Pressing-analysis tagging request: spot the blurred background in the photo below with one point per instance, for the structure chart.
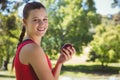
(92, 26)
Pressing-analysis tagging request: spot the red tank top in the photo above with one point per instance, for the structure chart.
(25, 72)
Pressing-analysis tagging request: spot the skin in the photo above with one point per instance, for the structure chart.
(36, 26)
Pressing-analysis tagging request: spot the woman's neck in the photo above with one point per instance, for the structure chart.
(37, 40)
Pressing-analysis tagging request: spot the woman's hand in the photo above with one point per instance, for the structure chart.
(66, 54)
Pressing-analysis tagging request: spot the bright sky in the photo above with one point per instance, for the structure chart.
(103, 7)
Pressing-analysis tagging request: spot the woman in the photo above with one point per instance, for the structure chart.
(31, 62)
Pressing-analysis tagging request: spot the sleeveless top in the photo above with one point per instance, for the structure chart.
(22, 71)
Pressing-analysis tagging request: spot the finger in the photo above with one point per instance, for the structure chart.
(67, 53)
(74, 50)
(64, 54)
(70, 51)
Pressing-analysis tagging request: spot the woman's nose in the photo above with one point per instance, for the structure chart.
(41, 23)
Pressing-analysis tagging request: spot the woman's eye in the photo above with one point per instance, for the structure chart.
(45, 20)
(36, 20)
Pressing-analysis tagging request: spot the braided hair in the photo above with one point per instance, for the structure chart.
(21, 35)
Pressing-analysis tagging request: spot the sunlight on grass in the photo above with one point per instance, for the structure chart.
(77, 70)
(7, 75)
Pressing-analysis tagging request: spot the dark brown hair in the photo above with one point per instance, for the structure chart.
(28, 7)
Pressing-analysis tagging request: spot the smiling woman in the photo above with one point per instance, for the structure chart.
(37, 22)
(31, 62)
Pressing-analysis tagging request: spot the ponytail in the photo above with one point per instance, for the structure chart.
(21, 35)
(20, 40)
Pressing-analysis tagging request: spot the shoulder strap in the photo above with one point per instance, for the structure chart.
(27, 41)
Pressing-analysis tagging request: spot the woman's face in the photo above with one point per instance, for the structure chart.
(37, 22)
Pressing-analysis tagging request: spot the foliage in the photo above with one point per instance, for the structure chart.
(66, 20)
(69, 22)
(9, 31)
(116, 3)
(106, 43)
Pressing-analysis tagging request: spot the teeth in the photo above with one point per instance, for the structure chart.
(41, 29)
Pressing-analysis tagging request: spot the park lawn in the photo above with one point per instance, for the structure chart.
(81, 71)
(91, 71)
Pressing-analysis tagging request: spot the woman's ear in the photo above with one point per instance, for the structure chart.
(24, 22)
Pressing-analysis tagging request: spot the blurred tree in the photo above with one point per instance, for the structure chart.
(8, 6)
(69, 22)
(116, 19)
(3, 4)
(105, 45)
(9, 27)
(116, 3)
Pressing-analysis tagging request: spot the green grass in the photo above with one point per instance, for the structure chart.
(89, 70)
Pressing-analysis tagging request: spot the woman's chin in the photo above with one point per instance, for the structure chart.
(41, 34)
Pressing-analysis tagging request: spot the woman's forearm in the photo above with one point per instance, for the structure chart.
(56, 70)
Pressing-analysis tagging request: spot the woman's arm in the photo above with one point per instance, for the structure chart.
(65, 55)
(56, 70)
(35, 56)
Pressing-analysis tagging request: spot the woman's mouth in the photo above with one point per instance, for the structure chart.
(41, 29)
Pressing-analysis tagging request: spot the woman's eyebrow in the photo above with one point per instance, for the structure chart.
(38, 17)
(35, 17)
(46, 16)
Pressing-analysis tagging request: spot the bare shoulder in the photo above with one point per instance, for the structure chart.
(34, 55)
(29, 52)
(30, 48)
